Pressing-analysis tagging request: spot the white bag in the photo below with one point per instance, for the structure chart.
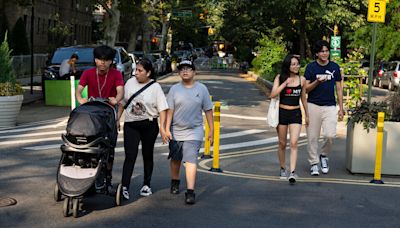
(273, 113)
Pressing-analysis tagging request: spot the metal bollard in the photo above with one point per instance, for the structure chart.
(207, 143)
(379, 144)
(217, 124)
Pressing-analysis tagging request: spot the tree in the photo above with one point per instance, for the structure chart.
(111, 20)
(388, 31)
(19, 41)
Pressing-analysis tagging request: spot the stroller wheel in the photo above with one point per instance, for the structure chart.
(66, 206)
(57, 193)
(75, 207)
(118, 195)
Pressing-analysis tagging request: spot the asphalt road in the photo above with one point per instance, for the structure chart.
(247, 194)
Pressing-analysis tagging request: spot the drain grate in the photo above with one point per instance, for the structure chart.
(7, 201)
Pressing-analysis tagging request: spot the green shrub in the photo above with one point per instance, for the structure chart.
(270, 53)
(8, 85)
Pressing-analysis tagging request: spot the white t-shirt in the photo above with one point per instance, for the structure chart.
(147, 105)
(65, 67)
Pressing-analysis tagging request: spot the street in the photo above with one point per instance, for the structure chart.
(248, 193)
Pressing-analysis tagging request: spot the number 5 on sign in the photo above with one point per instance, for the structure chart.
(376, 11)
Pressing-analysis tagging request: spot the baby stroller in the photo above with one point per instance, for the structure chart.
(87, 151)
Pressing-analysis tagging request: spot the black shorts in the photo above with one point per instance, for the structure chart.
(287, 117)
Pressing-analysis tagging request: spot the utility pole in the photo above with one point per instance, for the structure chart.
(32, 33)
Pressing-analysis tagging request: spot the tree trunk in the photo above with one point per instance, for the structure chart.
(147, 30)
(164, 31)
(111, 23)
(169, 41)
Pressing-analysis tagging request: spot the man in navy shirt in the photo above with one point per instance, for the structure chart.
(322, 77)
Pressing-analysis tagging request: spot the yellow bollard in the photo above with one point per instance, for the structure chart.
(217, 124)
(379, 144)
(207, 143)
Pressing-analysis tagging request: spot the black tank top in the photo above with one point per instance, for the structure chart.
(291, 95)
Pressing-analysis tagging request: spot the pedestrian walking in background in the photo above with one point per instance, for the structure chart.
(103, 82)
(290, 87)
(141, 123)
(67, 67)
(322, 76)
(187, 100)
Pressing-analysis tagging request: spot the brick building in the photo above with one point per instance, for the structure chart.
(76, 14)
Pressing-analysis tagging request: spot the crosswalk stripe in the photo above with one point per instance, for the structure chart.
(54, 146)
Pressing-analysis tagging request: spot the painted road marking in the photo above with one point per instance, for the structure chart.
(204, 168)
(223, 136)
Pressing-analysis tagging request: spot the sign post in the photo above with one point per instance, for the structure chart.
(376, 14)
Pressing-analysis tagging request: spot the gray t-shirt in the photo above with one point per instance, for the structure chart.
(188, 105)
(64, 67)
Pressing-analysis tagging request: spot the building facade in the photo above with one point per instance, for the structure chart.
(75, 16)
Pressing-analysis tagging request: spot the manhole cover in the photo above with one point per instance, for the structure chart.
(7, 201)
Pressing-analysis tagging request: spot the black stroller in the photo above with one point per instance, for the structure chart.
(87, 150)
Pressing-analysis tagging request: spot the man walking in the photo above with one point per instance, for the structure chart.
(322, 76)
(184, 126)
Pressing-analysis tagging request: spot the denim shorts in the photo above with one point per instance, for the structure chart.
(186, 151)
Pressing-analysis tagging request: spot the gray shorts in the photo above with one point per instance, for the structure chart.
(186, 151)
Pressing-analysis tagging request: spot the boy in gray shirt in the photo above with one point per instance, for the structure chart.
(184, 126)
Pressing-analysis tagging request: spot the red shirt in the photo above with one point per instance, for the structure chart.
(98, 87)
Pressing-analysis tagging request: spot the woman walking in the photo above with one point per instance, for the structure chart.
(141, 123)
(289, 86)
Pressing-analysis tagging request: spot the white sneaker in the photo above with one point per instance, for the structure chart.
(282, 174)
(292, 178)
(125, 193)
(314, 170)
(324, 164)
(145, 191)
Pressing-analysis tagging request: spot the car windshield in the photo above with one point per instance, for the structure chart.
(85, 55)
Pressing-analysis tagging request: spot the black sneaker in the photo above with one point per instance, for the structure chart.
(190, 197)
(175, 186)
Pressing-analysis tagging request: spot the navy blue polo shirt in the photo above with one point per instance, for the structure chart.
(324, 93)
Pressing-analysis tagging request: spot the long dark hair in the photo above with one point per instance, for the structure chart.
(285, 69)
(148, 66)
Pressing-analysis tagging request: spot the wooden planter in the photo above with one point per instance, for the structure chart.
(9, 110)
(361, 149)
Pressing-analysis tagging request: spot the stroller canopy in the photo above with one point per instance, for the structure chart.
(94, 118)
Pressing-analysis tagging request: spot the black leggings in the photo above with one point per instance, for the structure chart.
(145, 131)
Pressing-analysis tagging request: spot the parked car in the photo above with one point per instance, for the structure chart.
(133, 58)
(122, 62)
(379, 69)
(161, 62)
(182, 54)
(392, 75)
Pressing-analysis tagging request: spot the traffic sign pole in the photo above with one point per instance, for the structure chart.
(371, 61)
(376, 13)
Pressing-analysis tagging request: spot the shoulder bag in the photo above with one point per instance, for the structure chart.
(137, 93)
(273, 112)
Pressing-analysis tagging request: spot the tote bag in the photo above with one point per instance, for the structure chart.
(273, 113)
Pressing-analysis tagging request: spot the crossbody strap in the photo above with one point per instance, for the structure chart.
(137, 93)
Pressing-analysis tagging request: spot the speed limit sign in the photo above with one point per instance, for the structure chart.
(376, 11)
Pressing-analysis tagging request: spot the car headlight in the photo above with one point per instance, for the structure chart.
(49, 74)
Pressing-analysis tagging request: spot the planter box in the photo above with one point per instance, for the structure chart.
(9, 110)
(361, 149)
(58, 92)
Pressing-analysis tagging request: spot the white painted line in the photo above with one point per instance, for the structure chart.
(32, 134)
(241, 133)
(28, 129)
(244, 117)
(222, 147)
